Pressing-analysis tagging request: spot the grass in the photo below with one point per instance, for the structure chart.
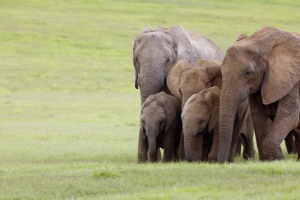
(69, 112)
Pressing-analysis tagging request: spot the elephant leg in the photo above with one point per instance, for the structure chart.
(153, 157)
(181, 152)
(197, 143)
(286, 119)
(213, 154)
(142, 147)
(249, 151)
(176, 150)
(261, 121)
(297, 143)
(235, 137)
(289, 142)
(205, 151)
(169, 143)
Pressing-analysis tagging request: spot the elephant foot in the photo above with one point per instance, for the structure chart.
(267, 156)
(249, 156)
(212, 157)
(142, 159)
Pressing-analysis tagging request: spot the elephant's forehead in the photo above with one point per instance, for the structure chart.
(153, 109)
(154, 37)
(194, 108)
(193, 73)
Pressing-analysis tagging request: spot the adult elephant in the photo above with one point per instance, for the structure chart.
(156, 51)
(266, 68)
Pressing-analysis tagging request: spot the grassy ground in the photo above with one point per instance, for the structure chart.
(69, 113)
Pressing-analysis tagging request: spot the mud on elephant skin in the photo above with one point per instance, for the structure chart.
(161, 127)
(200, 116)
(264, 67)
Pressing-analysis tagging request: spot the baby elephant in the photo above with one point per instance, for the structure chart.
(200, 117)
(161, 124)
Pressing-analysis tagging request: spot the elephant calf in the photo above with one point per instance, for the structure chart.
(200, 117)
(161, 127)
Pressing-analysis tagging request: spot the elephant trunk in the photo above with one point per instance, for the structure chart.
(228, 109)
(152, 145)
(188, 148)
(151, 81)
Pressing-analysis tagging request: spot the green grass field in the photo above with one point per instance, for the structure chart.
(69, 112)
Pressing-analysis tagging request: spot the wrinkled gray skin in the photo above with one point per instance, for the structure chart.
(264, 67)
(156, 51)
(161, 124)
(200, 116)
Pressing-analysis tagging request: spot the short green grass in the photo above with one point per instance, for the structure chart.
(69, 112)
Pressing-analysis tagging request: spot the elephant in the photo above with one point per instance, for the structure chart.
(161, 124)
(200, 117)
(156, 51)
(265, 68)
(184, 81)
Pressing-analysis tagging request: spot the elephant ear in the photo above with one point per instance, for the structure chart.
(283, 69)
(136, 80)
(241, 37)
(185, 47)
(147, 29)
(173, 79)
(212, 97)
(212, 69)
(147, 102)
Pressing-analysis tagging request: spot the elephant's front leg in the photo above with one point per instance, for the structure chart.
(142, 146)
(261, 121)
(169, 142)
(181, 153)
(297, 142)
(289, 142)
(213, 154)
(286, 119)
(235, 137)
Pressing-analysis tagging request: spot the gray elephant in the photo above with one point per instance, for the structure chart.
(200, 117)
(264, 68)
(156, 51)
(161, 124)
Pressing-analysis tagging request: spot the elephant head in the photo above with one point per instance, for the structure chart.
(268, 61)
(184, 80)
(200, 113)
(155, 52)
(158, 113)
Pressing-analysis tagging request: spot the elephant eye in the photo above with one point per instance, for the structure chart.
(180, 91)
(167, 61)
(201, 121)
(248, 74)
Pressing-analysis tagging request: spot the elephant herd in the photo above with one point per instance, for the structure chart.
(199, 104)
